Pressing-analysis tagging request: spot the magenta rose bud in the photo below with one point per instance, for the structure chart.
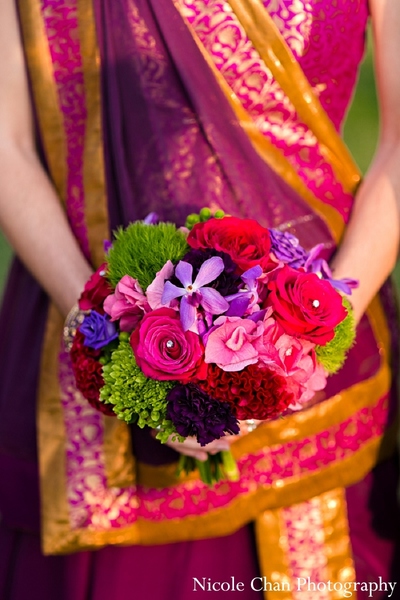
(164, 351)
(305, 305)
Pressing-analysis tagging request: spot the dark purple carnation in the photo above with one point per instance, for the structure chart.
(228, 282)
(97, 330)
(286, 247)
(195, 413)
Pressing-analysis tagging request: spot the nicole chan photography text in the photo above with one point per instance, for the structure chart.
(261, 584)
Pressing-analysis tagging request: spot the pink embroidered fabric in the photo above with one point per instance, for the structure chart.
(60, 19)
(327, 39)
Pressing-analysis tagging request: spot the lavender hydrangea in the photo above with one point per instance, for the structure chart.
(287, 248)
(98, 330)
(194, 413)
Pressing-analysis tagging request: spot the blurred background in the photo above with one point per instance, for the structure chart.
(360, 132)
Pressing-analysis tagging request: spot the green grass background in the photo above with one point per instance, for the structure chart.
(360, 133)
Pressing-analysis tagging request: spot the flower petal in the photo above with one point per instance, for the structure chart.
(184, 272)
(170, 292)
(188, 314)
(252, 274)
(238, 306)
(212, 301)
(151, 219)
(155, 290)
(209, 270)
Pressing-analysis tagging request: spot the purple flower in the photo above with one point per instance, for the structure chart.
(98, 330)
(196, 293)
(286, 247)
(195, 413)
(321, 268)
(247, 296)
(151, 219)
(106, 246)
(228, 281)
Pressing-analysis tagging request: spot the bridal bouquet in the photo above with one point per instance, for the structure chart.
(190, 330)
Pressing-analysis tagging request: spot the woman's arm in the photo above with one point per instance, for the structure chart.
(370, 246)
(31, 215)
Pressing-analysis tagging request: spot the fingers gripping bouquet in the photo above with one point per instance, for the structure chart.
(190, 330)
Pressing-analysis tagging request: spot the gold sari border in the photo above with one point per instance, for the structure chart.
(278, 57)
(221, 521)
(118, 458)
(340, 564)
(44, 89)
(96, 213)
(272, 552)
(51, 448)
(276, 554)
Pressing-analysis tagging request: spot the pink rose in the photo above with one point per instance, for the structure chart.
(127, 304)
(232, 345)
(305, 306)
(164, 351)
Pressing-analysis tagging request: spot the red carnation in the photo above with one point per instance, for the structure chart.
(96, 290)
(88, 373)
(246, 241)
(253, 393)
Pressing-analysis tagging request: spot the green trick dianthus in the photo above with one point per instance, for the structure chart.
(141, 250)
(135, 397)
(333, 355)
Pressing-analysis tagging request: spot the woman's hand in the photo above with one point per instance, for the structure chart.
(191, 447)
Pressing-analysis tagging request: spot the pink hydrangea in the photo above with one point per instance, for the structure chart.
(233, 344)
(293, 358)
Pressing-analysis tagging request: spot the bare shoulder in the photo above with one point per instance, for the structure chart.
(15, 113)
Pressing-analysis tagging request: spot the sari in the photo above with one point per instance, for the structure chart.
(151, 105)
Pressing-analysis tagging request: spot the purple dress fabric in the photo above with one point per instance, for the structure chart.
(140, 179)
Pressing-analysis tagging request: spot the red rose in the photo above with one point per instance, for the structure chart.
(245, 240)
(305, 305)
(96, 290)
(164, 351)
(88, 373)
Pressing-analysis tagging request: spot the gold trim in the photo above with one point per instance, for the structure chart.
(272, 48)
(96, 211)
(44, 88)
(51, 446)
(272, 552)
(340, 564)
(221, 521)
(271, 155)
(119, 462)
